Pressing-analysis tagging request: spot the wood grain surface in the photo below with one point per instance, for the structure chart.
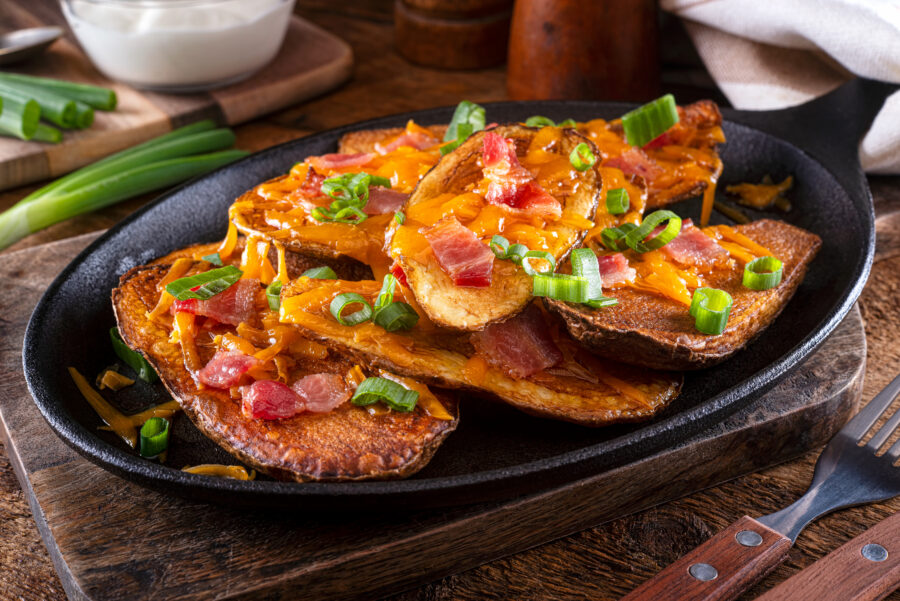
(602, 562)
(311, 61)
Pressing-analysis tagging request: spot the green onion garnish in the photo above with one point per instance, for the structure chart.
(582, 158)
(467, 119)
(132, 359)
(763, 273)
(585, 265)
(541, 121)
(392, 394)
(207, 284)
(396, 316)
(500, 246)
(320, 273)
(541, 255)
(516, 253)
(559, 286)
(710, 308)
(350, 192)
(342, 301)
(399, 217)
(635, 239)
(617, 201)
(386, 295)
(613, 238)
(644, 124)
(154, 437)
(214, 258)
(273, 295)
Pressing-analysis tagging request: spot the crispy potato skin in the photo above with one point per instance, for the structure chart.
(651, 331)
(472, 309)
(346, 444)
(440, 357)
(364, 140)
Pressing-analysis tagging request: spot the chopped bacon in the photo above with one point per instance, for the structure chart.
(398, 273)
(466, 259)
(520, 346)
(635, 162)
(269, 399)
(225, 369)
(614, 269)
(340, 161)
(510, 183)
(320, 393)
(232, 306)
(663, 139)
(417, 140)
(312, 185)
(384, 200)
(692, 247)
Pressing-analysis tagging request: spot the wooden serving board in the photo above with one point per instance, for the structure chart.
(311, 61)
(111, 539)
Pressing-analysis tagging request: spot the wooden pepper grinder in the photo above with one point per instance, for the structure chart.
(584, 50)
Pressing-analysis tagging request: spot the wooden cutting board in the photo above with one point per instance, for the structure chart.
(311, 61)
(111, 539)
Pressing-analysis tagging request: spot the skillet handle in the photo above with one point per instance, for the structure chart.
(829, 127)
(721, 568)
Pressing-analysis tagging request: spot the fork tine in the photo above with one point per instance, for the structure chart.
(894, 451)
(866, 418)
(884, 433)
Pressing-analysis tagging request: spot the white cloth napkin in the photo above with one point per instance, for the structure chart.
(768, 54)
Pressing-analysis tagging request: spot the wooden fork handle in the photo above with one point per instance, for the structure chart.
(721, 568)
(865, 569)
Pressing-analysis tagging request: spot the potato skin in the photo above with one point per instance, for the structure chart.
(472, 309)
(648, 330)
(347, 444)
(364, 140)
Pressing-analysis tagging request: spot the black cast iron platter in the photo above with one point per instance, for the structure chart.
(497, 452)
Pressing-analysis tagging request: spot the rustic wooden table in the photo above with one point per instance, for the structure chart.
(600, 563)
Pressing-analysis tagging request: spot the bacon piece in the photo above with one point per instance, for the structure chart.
(417, 140)
(512, 185)
(692, 247)
(231, 306)
(466, 259)
(340, 161)
(269, 399)
(225, 369)
(635, 162)
(397, 272)
(312, 184)
(614, 269)
(320, 393)
(520, 346)
(384, 200)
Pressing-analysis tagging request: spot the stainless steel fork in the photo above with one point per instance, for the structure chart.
(847, 473)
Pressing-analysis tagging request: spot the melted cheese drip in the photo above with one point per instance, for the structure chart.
(235, 472)
(177, 270)
(427, 401)
(113, 380)
(760, 196)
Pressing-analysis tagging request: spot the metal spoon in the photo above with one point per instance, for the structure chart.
(18, 45)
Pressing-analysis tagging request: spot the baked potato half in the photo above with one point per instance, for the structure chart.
(347, 443)
(653, 331)
(458, 188)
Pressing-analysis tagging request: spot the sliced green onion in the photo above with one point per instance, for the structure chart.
(603, 301)
(54, 108)
(132, 359)
(399, 217)
(19, 119)
(763, 273)
(392, 394)
(350, 192)
(636, 238)
(540, 121)
(559, 286)
(396, 316)
(650, 121)
(386, 295)
(585, 265)
(617, 201)
(154, 437)
(582, 158)
(273, 294)
(342, 301)
(320, 273)
(95, 96)
(710, 308)
(541, 255)
(500, 246)
(567, 123)
(466, 113)
(516, 253)
(206, 285)
(214, 258)
(613, 238)
(47, 134)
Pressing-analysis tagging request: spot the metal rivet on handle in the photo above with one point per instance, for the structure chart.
(874, 552)
(749, 538)
(703, 572)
